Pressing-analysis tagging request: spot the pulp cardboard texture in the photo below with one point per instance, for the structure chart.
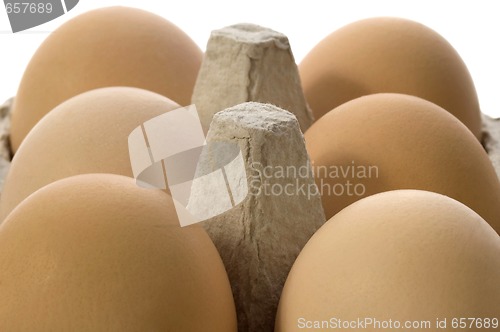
(5, 154)
(260, 238)
(491, 140)
(246, 62)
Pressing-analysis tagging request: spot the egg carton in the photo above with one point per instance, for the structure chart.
(490, 141)
(5, 150)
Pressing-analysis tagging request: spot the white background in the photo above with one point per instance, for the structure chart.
(472, 27)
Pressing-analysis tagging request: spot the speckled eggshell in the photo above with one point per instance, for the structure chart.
(384, 142)
(387, 54)
(95, 252)
(114, 46)
(85, 134)
(403, 256)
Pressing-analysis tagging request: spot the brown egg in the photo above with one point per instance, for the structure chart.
(389, 55)
(115, 46)
(405, 256)
(95, 252)
(384, 142)
(85, 134)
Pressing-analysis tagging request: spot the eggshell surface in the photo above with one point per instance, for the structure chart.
(95, 252)
(387, 54)
(86, 134)
(405, 256)
(385, 142)
(114, 46)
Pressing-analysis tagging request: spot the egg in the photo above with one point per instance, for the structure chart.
(86, 134)
(387, 54)
(387, 141)
(401, 256)
(95, 252)
(115, 46)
